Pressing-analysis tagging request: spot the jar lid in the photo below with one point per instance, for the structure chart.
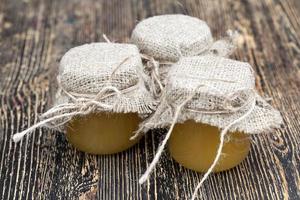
(86, 70)
(169, 37)
(217, 91)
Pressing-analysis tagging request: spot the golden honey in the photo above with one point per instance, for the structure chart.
(194, 146)
(103, 133)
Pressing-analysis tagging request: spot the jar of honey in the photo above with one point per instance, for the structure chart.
(194, 146)
(105, 81)
(103, 133)
(100, 99)
(210, 109)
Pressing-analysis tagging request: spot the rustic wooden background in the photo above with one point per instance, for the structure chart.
(34, 35)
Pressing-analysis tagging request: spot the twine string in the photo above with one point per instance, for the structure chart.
(18, 136)
(83, 107)
(161, 147)
(219, 151)
(106, 38)
(155, 76)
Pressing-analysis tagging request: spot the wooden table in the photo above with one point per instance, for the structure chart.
(35, 34)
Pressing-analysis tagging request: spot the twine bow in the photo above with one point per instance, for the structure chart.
(78, 106)
(152, 65)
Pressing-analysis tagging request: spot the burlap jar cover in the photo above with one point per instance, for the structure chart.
(224, 89)
(215, 91)
(97, 77)
(166, 38)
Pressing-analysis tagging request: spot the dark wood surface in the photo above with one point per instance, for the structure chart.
(34, 35)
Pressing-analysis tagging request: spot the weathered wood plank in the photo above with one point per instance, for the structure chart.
(34, 35)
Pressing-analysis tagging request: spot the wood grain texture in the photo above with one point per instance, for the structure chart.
(34, 35)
